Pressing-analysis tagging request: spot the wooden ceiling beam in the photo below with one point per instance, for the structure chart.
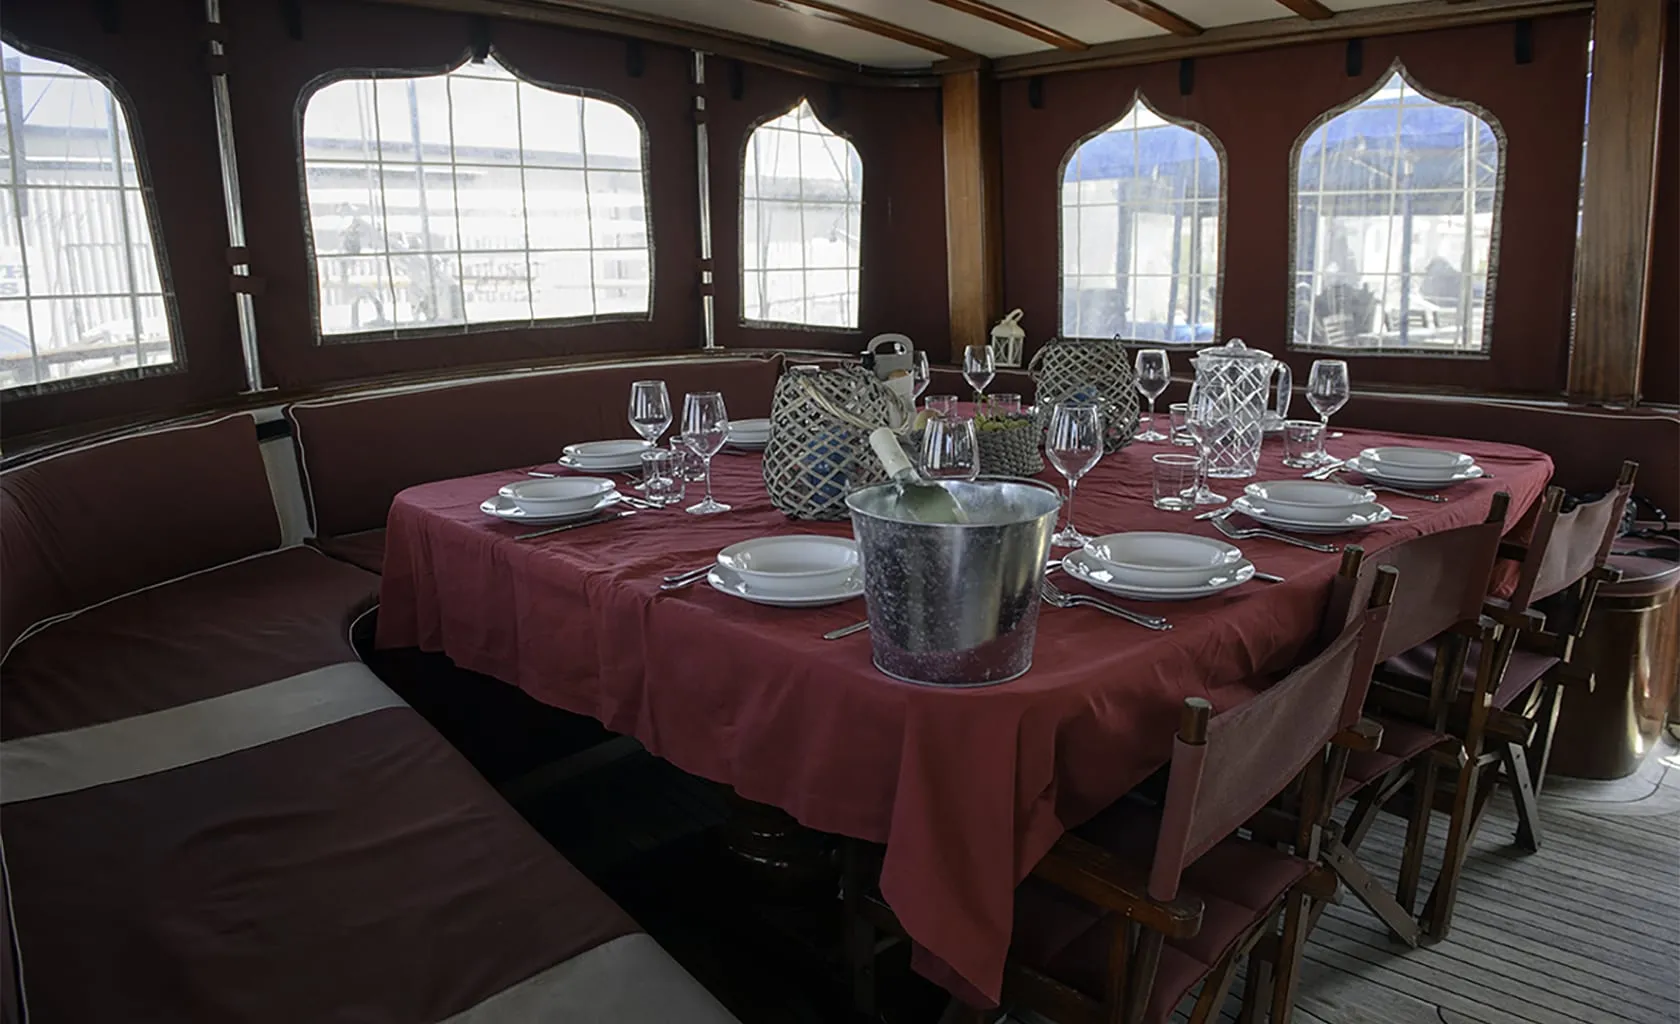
(1154, 13)
(1015, 23)
(1311, 10)
(874, 26)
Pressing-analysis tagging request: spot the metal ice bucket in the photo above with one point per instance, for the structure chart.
(956, 604)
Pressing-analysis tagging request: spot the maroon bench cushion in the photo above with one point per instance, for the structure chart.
(356, 453)
(87, 525)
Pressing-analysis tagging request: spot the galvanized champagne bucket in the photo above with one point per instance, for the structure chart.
(950, 604)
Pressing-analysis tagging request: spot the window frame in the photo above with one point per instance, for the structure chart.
(1495, 232)
(435, 331)
(741, 225)
(1203, 132)
(177, 364)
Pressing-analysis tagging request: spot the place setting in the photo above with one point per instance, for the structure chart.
(789, 571)
(1406, 470)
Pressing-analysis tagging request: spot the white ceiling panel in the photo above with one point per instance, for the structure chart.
(1092, 21)
(1214, 13)
(777, 25)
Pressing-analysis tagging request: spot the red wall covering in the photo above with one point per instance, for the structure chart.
(898, 138)
(1258, 104)
(1660, 380)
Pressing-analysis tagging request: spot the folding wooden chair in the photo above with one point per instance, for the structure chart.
(1447, 578)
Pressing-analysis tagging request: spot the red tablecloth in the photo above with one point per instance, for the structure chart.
(966, 787)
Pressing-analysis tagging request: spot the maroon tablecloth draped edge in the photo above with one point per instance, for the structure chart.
(966, 787)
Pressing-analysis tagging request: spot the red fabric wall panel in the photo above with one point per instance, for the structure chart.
(155, 59)
(1258, 104)
(1660, 379)
(272, 72)
(897, 135)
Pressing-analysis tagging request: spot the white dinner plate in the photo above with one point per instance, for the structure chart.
(727, 582)
(750, 429)
(792, 565)
(1161, 560)
(504, 508)
(608, 455)
(1357, 519)
(1083, 567)
(1363, 468)
(1414, 462)
(1309, 501)
(745, 446)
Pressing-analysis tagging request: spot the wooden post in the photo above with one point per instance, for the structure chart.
(1613, 256)
(973, 207)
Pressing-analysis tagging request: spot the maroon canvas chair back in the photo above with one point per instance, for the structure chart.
(1571, 544)
(1248, 755)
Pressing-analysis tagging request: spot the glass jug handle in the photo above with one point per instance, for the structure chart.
(1286, 387)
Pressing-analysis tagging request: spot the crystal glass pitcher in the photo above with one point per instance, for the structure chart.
(1240, 378)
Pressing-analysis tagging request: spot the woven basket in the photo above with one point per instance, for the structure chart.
(819, 438)
(1089, 371)
(1012, 451)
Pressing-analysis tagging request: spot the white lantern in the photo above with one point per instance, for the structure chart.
(1009, 342)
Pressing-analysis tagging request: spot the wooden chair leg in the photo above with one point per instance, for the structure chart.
(1257, 987)
(1442, 899)
(1295, 919)
(1417, 835)
(1215, 987)
(1522, 791)
(1371, 893)
(1540, 751)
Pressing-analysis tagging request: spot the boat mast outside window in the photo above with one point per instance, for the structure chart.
(801, 224)
(1396, 224)
(83, 291)
(451, 202)
(1142, 231)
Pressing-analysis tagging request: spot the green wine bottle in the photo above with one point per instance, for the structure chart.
(918, 500)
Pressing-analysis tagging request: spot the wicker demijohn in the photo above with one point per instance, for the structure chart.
(1089, 371)
(819, 438)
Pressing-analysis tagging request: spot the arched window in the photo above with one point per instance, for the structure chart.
(1142, 231)
(801, 221)
(81, 291)
(449, 202)
(1396, 215)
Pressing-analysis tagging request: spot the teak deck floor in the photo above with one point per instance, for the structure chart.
(1586, 930)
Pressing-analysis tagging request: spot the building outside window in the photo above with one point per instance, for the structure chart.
(801, 220)
(448, 202)
(1396, 220)
(1141, 231)
(82, 291)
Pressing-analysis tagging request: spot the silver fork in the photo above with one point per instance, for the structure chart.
(1373, 485)
(1059, 599)
(1244, 534)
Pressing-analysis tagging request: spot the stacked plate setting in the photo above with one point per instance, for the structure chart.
(606, 456)
(1311, 506)
(799, 571)
(749, 435)
(1149, 566)
(552, 500)
(1405, 466)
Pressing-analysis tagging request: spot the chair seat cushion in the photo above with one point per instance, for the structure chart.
(1238, 882)
(365, 550)
(1401, 741)
(1524, 670)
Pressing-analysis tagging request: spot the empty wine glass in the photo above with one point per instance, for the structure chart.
(1073, 444)
(705, 427)
(650, 410)
(978, 368)
(920, 373)
(1209, 421)
(1327, 391)
(950, 449)
(1153, 376)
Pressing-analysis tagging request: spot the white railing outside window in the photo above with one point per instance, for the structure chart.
(801, 221)
(81, 291)
(1141, 231)
(1396, 217)
(448, 202)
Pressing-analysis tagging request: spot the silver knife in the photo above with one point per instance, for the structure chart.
(575, 526)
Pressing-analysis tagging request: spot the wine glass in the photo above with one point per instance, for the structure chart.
(920, 372)
(1327, 391)
(950, 449)
(1209, 421)
(1073, 444)
(705, 427)
(650, 410)
(1153, 376)
(978, 368)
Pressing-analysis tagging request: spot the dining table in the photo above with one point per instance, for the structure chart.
(966, 788)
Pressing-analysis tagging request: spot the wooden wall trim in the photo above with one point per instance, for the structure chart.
(1265, 35)
(973, 207)
(1613, 256)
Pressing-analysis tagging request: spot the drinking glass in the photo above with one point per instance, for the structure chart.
(978, 368)
(940, 405)
(1153, 376)
(663, 475)
(950, 449)
(1073, 444)
(920, 373)
(1209, 421)
(1176, 477)
(1327, 391)
(1004, 405)
(693, 469)
(1177, 414)
(705, 428)
(1303, 441)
